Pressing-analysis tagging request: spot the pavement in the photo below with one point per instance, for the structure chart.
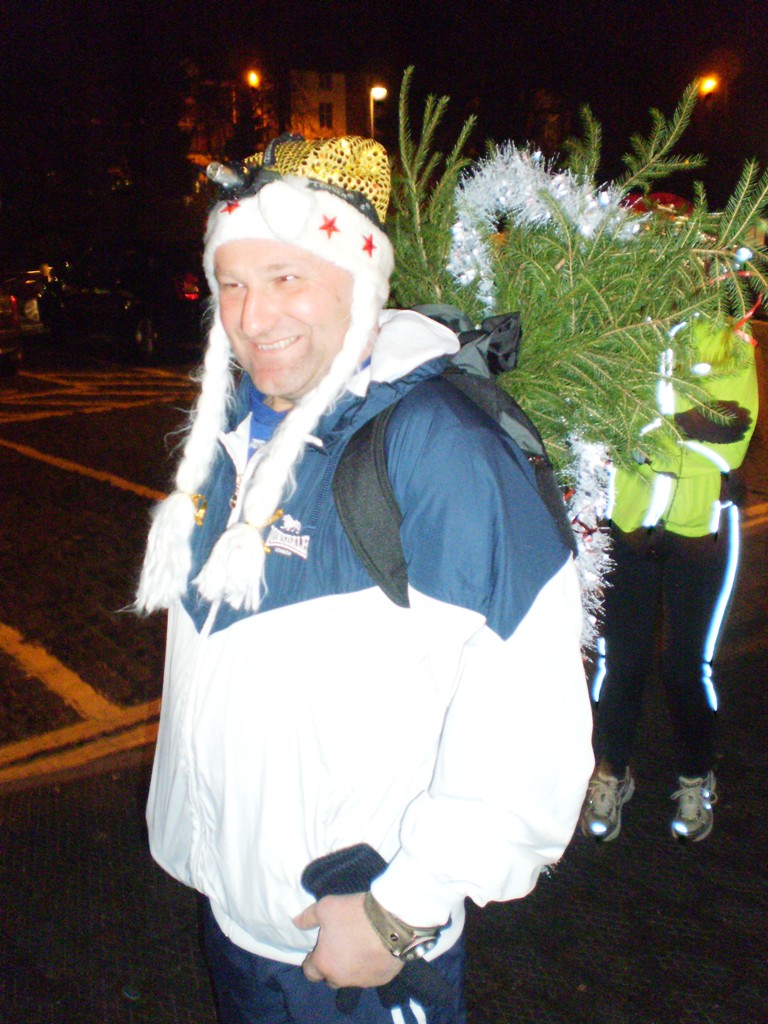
(638, 931)
(642, 930)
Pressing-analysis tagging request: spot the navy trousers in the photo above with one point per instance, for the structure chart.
(251, 989)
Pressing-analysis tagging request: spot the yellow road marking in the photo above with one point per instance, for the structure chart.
(69, 410)
(75, 467)
(81, 379)
(142, 735)
(82, 732)
(57, 677)
(756, 510)
(93, 393)
(107, 728)
(755, 515)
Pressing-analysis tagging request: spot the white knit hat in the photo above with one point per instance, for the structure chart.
(327, 197)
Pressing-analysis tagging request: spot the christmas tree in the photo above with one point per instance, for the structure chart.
(607, 282)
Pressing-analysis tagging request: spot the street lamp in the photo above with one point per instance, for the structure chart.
(707, 85)
(253, 78)
(378, 93)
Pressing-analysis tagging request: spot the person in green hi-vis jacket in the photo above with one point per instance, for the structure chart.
(674, 525)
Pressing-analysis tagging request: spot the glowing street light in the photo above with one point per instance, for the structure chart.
(254, 79)
(707, 85)
(377, 94)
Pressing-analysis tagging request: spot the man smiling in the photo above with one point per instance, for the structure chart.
(285, 312)
(336, 773)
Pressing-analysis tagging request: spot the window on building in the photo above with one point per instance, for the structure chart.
(324, 80)
(326, 115)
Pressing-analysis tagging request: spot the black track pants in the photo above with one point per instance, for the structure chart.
(677, 589)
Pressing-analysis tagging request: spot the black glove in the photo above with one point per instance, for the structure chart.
(352, 870)
(697, 426)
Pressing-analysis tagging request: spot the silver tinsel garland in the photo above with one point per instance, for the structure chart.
(587, 506)
(522, 187)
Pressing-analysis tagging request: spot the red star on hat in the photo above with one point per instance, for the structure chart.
(369, 246)
(230, 207)
(329, 225)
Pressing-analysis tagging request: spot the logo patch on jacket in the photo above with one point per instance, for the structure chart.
(287, 539)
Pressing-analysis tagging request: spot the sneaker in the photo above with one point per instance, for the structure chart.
(601, 813)
(695, 798)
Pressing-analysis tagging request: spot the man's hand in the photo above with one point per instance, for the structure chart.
(348, 952)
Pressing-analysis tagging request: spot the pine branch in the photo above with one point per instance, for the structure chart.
(653, 158)
(746, 206)
(423, 200)
(414, 158)
(445, 188)
(584, 154)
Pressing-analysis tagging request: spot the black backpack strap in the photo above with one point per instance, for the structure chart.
(368, 508)
(500, 406)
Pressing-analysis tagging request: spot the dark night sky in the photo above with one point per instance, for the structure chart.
(63, 63)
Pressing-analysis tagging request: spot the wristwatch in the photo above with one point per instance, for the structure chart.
(403, 941)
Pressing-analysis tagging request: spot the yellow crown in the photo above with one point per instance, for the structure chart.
(350, 163)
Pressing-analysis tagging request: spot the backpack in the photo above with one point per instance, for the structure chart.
(364, 498)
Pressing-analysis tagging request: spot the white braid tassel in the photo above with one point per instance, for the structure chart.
(167, 560)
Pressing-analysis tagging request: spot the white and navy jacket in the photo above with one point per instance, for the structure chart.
(452, 736)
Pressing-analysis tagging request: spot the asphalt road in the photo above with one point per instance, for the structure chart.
(637, 932)
(84, 452)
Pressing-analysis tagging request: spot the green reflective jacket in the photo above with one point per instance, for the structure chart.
(682, 488)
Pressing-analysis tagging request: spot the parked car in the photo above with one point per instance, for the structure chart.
(10, 333)
(147, 300)
(27, 287)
